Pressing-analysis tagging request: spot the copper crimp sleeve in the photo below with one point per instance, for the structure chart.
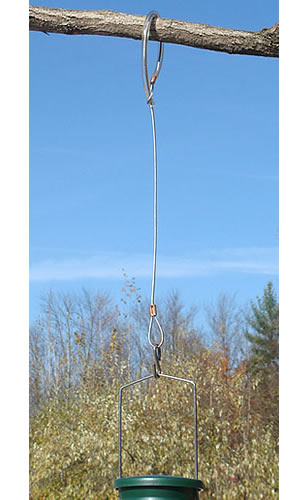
(153, 310)
(153, 79)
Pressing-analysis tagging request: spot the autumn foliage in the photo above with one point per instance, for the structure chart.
(74, 428)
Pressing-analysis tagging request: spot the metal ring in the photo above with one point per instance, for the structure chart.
(149, 83)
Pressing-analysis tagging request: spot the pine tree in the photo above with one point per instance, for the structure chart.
(264, 335)
(263, 363)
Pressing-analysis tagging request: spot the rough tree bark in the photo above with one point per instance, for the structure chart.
(105, 22)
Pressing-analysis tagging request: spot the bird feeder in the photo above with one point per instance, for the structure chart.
(158, 488)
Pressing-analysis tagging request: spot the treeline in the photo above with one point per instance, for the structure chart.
(82, 348)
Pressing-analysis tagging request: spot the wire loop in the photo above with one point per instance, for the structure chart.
(161, 340)
(149, 84)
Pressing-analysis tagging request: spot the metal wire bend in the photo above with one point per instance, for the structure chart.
(195, 415)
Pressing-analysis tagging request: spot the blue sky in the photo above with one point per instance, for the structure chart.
(91, 172)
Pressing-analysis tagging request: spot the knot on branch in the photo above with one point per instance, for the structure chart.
(271, 32)
(271, 35)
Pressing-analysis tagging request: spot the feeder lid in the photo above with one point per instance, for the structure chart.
(158, 481)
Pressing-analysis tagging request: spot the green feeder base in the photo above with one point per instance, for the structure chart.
(158, 488)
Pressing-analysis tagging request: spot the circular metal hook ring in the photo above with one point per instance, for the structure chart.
(149, 83)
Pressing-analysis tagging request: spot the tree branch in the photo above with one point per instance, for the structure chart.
(105, 22)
